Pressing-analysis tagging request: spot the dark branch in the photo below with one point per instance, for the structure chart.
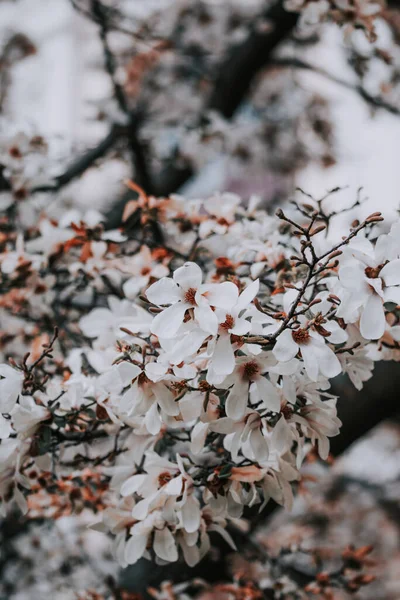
(375, 101)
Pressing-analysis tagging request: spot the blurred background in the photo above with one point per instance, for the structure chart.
(194, 96)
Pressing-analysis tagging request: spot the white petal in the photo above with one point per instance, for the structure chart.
(191, 514)
(329, 364)
(285, 347)
(167, 323)
(164, 545)
(198, 438)
(131, 485)
(127, 372)
(206, 318)
(352, 276)
(392, 294)
(166, 399)
(152, 420)
(135, 548)
(391, 273)
(221, 295)
(372, 323)
(309, 352)
(241, 327)
(236, 403)
(164, 291)
(268, 394)
(223, 360)
(188, 276)
(248, 295)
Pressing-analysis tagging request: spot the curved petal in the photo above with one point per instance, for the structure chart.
(268, 394)
(352, 276)
(166, 399)
(391, 273)
(310, 352)
(236, 403)
(167, 322)
(164, 545)
(135, 548)
(285, 348)
(372, 323)
(206, 318)
(223, 360)
(248, 295)
(329, 364)
(188, 276)
(221, 295)
(241, 327)
(164, 291)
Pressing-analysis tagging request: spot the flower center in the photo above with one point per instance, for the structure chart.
(228, 323)
(164, 478)
(190, 296)
(301, 336)
(250, 370)
(373, 272)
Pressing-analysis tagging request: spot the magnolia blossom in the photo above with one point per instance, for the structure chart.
(369, 280)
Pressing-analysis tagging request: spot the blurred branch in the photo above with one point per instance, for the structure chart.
(375, 101)
(235, 76)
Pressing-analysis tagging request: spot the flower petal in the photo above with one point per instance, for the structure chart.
(223, 360)
(372, 323)
(164, 545)
(391, 273)
(188, 276)
(167, 322)
(164, 291)
(285, 348)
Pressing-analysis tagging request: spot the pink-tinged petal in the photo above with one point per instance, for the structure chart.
(236, 403)
(135, 548)
(166, 323)
(198, 438)
(352, 276)
(248, 295)
(392, 294)
(164, 545)
(221, 295)
(329, 364)
(391, 273)
(268, 394)
(164, 291)
(240, 327)
(188, 276)
(206, 318)
(372, 323)
(285, 348)
(223, 360)
(131, 485)
(166, 399)
(310, 352)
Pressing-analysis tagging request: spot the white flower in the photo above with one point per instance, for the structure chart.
(27, 414)
(10, 387)
(318, 357)
(185, 292)
(368, 280)
(231, 323)
(143, 267)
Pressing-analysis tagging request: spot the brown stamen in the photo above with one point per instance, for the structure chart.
(228, 323)
(301, 336)
(164, 478)
(190, 296)
(373, 272)
(250, 370)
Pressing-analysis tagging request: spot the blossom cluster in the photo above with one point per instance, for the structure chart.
(175, 372)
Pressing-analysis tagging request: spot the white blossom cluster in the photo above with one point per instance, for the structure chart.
(190, 374)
